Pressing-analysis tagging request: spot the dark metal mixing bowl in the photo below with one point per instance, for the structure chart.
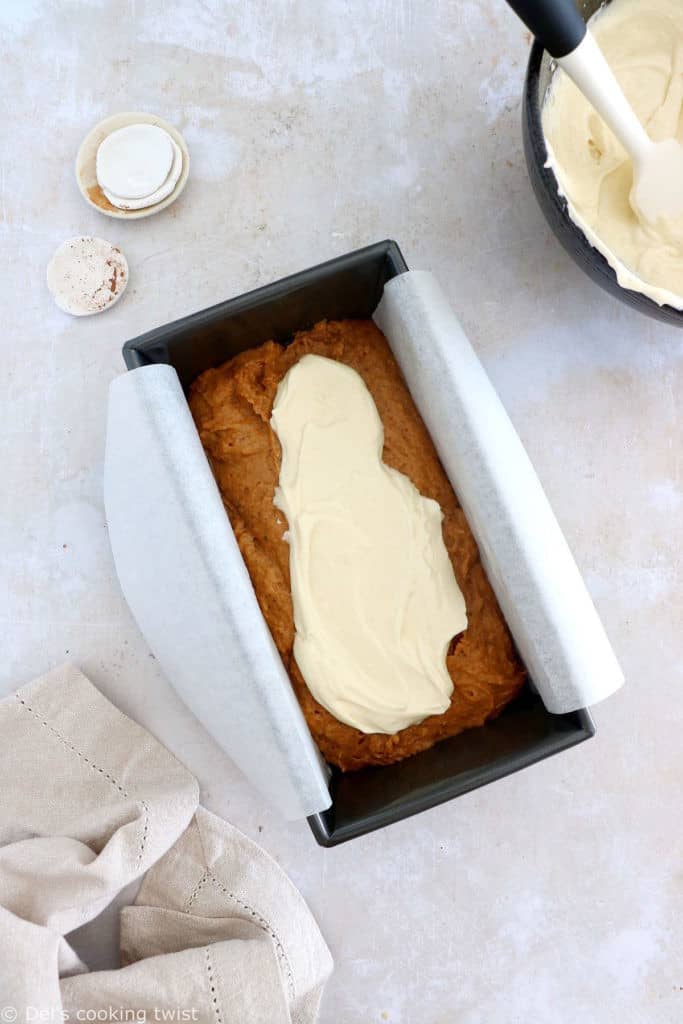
(554, 207)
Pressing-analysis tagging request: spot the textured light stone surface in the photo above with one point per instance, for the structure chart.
(556, 895)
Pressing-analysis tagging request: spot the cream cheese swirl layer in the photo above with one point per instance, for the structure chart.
(643, 43)
(376, 602)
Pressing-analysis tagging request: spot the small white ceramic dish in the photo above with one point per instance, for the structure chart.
(87, 275)
(86, 175)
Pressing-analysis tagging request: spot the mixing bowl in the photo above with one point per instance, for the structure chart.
(554, 207)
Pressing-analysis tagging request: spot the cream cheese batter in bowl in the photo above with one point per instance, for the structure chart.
(581, 174)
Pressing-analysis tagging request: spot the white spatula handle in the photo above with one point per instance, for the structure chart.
(588, 69)
(558, 25)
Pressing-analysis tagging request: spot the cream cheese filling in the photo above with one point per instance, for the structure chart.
(376, 602)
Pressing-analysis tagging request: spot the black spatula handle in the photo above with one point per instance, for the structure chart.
(556, 24)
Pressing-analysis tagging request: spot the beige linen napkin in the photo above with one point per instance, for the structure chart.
(89, 801)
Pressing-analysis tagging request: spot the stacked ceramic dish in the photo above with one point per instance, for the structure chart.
(132, 165)
(138, 166)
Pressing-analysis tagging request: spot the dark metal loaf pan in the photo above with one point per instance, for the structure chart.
(349, 287)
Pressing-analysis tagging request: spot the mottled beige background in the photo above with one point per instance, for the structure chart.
(553, 897)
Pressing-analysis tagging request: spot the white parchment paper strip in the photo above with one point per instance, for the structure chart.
(531, 568)
(184, 579)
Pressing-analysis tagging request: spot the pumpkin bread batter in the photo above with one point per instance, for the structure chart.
(232, 406)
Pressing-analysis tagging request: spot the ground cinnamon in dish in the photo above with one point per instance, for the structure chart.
(231, 406)
(97, 196)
